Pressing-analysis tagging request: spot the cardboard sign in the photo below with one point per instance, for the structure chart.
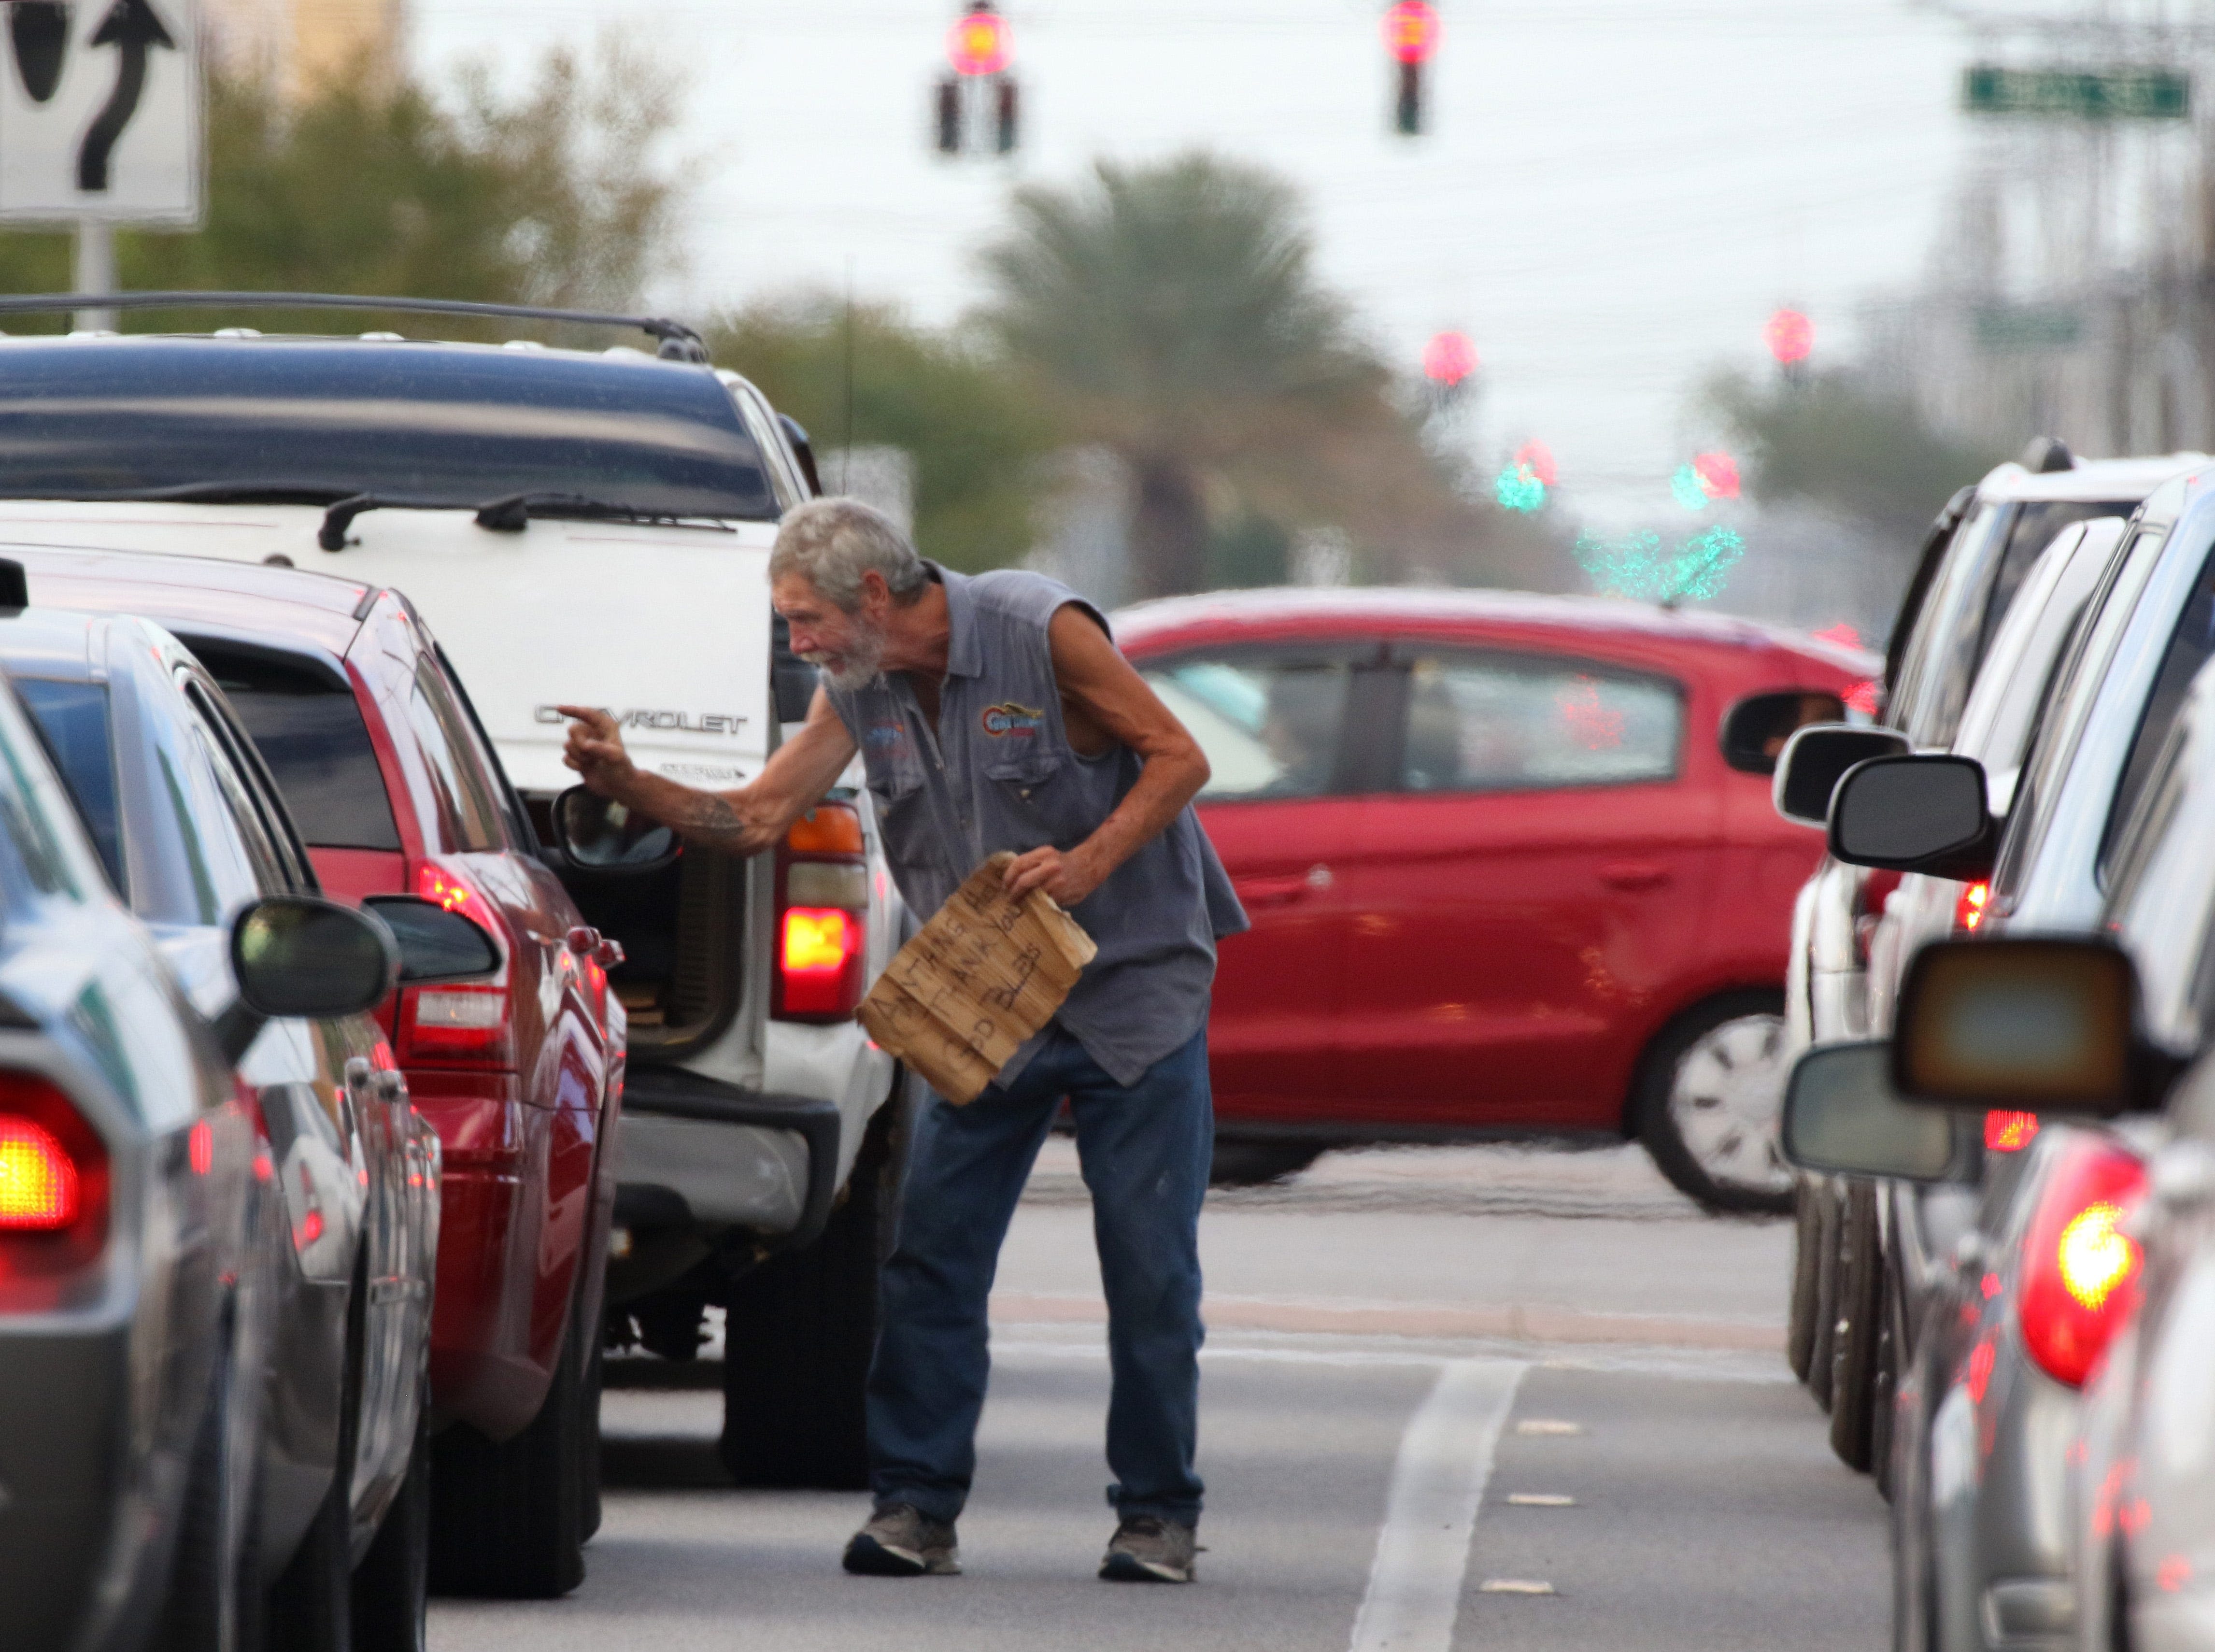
(982, 976)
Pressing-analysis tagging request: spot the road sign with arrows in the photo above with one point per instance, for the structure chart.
(100, 112)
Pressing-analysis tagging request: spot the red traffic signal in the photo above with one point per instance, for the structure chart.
(1448, 358)
(1411, 30)
(1790, 337)
(978, 44)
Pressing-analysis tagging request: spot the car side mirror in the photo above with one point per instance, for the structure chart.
(435, 945)
(1916, 814)
(1755, 731)
(803, 450)
(301, 955)
(1816, 758)
(605, 836)
(2026, 1024)
(1841, 1117)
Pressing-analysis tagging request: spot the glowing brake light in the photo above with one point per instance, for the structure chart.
(2080, 1271)
(2009, 1132)
(823, 900)
(1969, 910)
(38, 1182)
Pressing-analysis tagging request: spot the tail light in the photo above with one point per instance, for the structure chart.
(2009, 1132)
(822, 906)
(2080, 1271)
(470, 1024)
(53, 1192)
(1969, 910)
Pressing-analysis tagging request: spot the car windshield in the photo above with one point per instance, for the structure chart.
(73, 718)
(325, 420)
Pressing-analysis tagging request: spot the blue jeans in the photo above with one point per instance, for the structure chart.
(1145, 1151)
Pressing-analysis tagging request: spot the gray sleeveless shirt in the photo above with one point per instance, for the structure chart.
(999, 773)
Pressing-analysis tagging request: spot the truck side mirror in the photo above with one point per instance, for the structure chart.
(1813, 760)
(602, 836)
(1915, 814)
(1841, 1117)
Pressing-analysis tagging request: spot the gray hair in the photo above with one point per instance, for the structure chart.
(832, 543)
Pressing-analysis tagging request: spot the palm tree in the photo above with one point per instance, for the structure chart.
(1173, 314)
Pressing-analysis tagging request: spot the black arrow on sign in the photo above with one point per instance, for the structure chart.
(131, 28)
(40, 31)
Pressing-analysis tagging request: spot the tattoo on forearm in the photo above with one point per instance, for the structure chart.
(710, 821)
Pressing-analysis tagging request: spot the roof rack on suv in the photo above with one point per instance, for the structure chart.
(678, 341)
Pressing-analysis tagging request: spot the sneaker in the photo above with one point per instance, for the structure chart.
(901, 1541)
(1145, 1550)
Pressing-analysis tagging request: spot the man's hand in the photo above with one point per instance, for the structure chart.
(1067, 878)
(595, 750)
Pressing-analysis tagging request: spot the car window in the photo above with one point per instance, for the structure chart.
(257, 834)
(311, 734)
(34, 817)
(1504, 722)
(467, 807)
(520, 833)
(2061, 720)
(2189, 646)
(1269, 724)
(73, 718)
(2163, 881)
(1985, 566)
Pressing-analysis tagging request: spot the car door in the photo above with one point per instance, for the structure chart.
(1276, 721)
(1525, 889)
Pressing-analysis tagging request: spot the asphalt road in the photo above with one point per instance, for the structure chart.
(1465, 1398)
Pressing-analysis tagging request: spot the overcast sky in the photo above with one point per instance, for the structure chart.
(1613, 197)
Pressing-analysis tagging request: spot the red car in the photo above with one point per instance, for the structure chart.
(1512, 864)
(395, 790)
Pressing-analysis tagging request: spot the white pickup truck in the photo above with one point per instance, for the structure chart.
(577, 527)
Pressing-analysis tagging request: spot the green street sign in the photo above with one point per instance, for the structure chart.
(2077, 94)
(2007, 329)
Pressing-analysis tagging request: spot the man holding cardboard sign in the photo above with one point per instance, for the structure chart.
(994, 715)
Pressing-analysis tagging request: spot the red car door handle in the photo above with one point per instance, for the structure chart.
(1634, 875)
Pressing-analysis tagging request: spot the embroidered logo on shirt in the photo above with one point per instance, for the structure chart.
(1007, 718)
(886, 739)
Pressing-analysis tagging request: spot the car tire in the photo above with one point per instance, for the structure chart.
(1886, 1398)
(392, 1585)
(310, 1606)
(1708, 1098)
(213, 1571)
(507, 1518)
(1257, 1163)
(1819, 1363)
(1853, 1354)
(588, 1423)
(1806, 1266)
(799, 1331)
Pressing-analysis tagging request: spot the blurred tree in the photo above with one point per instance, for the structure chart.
(975, 431)
(549, 199)
(1833, 439)
(1171, 314)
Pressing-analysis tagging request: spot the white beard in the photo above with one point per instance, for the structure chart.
(862, 660)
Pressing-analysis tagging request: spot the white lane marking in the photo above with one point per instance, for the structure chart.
(1687, 1365)
(1514, 1586)
(1540, 1499)
(1422, 1553)
(1530, 1426)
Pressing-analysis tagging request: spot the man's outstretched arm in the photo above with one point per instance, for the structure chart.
(745, 822)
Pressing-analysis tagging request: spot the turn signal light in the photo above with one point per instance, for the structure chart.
(467, 1024)
(1969, 910)
(2080, 1271)
(826, 829)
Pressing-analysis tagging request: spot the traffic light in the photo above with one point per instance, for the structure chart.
(979, 95)
(1411, 35)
